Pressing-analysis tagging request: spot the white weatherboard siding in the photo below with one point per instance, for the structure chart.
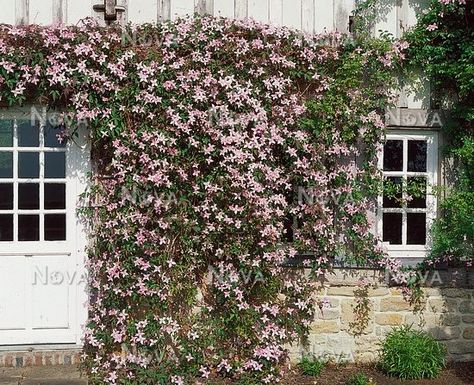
(318, 16)
(291, 14)
(182, 8)
(41, 12)
(224, 8)
(323, 16)
(78, 10)
(8, 12)
(307, 15)
(142, 11)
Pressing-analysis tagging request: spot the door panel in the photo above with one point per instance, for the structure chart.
(51, 279)
(13, 293)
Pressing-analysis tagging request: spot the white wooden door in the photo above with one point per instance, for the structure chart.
(42, 277)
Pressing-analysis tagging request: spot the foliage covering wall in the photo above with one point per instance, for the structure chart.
(442, 43)
(205, 131)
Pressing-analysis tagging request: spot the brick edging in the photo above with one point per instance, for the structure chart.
(40, 357)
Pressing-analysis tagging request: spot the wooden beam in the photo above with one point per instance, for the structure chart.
(164, 10)
(22, 12)
(59, 11)
(307, 15)
(204, 7)
(241, 9)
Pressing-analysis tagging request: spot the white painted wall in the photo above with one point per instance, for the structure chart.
(308, 15)
(8, 12)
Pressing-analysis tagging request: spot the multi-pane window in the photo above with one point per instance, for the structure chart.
(32, 182)
(407, 206)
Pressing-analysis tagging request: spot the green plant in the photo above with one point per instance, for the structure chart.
(411, 354)
(312, 366)
(442, 43)
(359, 379)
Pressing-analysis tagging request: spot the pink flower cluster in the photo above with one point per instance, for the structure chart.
(211, 130)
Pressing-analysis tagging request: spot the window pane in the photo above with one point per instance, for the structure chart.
(392, 228)
(54, 165)
(393, 155)
(417, 155)
(6, 133)
(6, 196)
(417, 190)
(54, 196)
(28, 196)
(51, 136)
(28, 135)
(28, 227)
(416, 228)
(6, 227)
(55, 227)
(28, 164)
(392, 196)
(6, 165)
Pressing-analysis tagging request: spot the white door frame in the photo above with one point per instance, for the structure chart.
(35, 260)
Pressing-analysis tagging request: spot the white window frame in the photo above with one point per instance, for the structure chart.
(431, 174)
(46, 247)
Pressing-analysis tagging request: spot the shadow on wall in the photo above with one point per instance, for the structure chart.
(383, 8)
(447, 311)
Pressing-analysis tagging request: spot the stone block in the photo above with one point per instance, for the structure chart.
(393, 319)
(323, 326)
(394, 304)
(76, 358)
(328, 314)
(396, 291)
(442, 305)
(422, 321)
(460, 347)
(446, 333)
(48, 359)
(343, 291)
(29, 360)
(8, 361)
(317, 339)
(365, 357)
(379, 292)
(468, 333)
(355, 323)
(432, 292)
(466, 306)
(382, 331)
(334, 302)
(38, 359)
(450, 319)
(454, 293)
(352, 277)
(19, 362)
(367, 343)
(468, 319)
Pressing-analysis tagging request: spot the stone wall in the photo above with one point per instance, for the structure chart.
(337, 333)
